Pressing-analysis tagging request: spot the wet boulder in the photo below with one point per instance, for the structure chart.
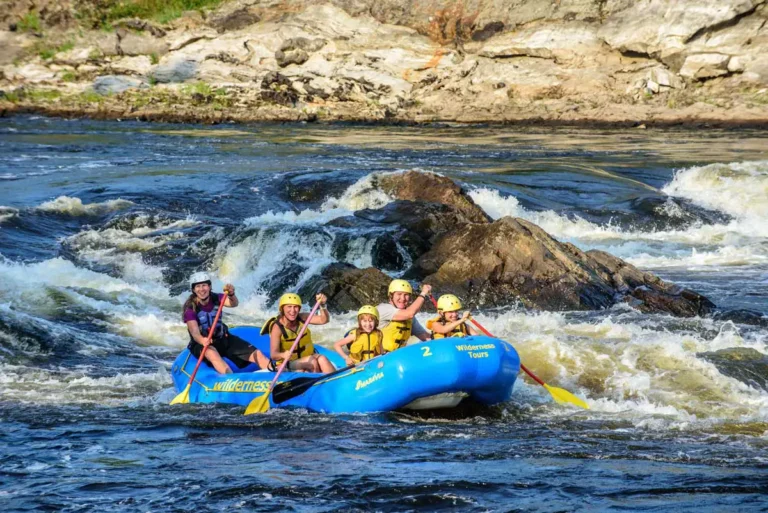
(348, 288)
(424, 220)
(742, 316)
(513, 260)
(745, 364)
(432, 188)
(647, 292)
(315, 187)
(406, 229)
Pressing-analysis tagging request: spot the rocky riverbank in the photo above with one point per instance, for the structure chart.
(656, 62)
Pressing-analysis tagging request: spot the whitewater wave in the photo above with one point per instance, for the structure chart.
(75, 206)
(62, 386)
(7, 213)
(727, 244)
(739, 188)
(637, 372)
(360, 195)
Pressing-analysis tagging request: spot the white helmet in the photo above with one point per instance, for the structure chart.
(199, 277)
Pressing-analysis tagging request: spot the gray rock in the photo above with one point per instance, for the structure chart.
(286, 58)
(303, 43)
(179, 70)
(297, 50)
(705, 65)
(664, 78)
(348, 287)
(138, 44)
(113, 84)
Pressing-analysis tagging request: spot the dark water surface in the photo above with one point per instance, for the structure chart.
(101, 223)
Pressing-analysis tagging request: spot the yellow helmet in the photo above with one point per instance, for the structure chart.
(369, 310)
(288, 299)
(448, 303)
(400, 286)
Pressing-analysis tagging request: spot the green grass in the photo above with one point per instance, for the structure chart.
(68, 76)
(90, 97)
(161, 11)
(42, 95)
(47, 52)
(30, 22)
(197, 88)
(153, 58)
(12, 96)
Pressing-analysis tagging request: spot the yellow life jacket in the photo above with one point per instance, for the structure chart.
(365, 346)
(288, 336)
(396, 334)
(459, 331)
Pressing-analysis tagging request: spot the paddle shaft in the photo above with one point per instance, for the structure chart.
(293, 347)
(290, 391)
(209, 338)
(488, 333)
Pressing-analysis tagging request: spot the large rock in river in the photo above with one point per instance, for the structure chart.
(431, 188)
(514, 260)
(348, 288)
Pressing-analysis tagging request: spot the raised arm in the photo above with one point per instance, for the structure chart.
(413, 309)
(230, 299)
(321, 316)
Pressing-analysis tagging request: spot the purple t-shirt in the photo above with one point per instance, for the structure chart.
(190, 315)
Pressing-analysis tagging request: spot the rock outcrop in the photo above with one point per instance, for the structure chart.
(571, 61)
(514, 260)
(348, 287)
(504, 262)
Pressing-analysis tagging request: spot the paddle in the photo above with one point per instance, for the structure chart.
(183, 397)
(558, 394)
(295, 387)
(261, 403)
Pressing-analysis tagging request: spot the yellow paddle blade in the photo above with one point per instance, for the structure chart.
(183, 397)
(565, 397)
(258, 405)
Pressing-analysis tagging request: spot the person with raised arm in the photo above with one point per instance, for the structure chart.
(397, 318)
(199, 314)
(285, 327)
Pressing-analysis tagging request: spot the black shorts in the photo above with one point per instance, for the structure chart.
(231, 346)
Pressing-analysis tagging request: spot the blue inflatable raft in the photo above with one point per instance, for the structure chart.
(418, 375)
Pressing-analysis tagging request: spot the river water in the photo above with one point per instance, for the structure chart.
(102, 222)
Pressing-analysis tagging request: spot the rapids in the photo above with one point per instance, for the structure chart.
(101, 223)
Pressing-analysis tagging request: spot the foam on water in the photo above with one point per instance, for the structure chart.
(738, 188)
(7, 213)
(66, 386)
(362, 194)
(743, 241)
(624, 368)
(76, 207)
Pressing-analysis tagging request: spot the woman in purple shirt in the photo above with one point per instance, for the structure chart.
(199, 313)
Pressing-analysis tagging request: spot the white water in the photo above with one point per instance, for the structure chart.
(360, 195)
(76, 207)
(625, 365)
(740, 190)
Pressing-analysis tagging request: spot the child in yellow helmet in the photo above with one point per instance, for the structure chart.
(365, 342)
(448, 323)
(284, 328)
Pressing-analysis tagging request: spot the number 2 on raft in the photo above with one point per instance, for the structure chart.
(427, 352)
